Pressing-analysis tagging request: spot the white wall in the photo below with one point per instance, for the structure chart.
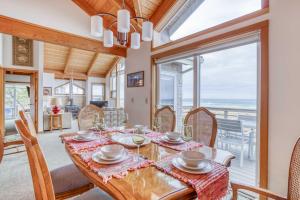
(63, 15)
(137, 100)
(1, 49)
(284, 101)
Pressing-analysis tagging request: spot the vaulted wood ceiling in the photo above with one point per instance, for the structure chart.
(150, 9)
(64, 61)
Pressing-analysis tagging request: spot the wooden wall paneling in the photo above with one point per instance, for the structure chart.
(31, 31)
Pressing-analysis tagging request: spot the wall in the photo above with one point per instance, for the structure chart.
(137, 100)
(57, 14)
(284, 101)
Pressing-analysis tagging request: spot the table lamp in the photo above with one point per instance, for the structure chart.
(55, 103)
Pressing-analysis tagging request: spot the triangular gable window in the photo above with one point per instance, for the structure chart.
(65, 89)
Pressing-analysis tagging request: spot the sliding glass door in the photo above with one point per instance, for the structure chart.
(224, 79)
(176, 86)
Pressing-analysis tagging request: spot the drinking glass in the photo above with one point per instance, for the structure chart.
(187, 133)
(156, 124)
(138, 139)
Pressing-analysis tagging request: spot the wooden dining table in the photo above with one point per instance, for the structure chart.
(149, 183)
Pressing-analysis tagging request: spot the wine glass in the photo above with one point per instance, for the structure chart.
(187, 133)
(156, 124)
(138, 139)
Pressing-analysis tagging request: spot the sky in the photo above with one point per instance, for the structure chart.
(226, 74)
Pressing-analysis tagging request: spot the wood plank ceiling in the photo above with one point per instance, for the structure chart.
(150, 9)
(64, 61)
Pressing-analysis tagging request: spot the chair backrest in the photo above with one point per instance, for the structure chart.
(42, 183)
(294, 173)
(167, 119)
(204, 125)
(86, 116)
(230, 125)
(27, 120)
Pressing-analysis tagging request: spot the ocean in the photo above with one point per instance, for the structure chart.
(218, 103)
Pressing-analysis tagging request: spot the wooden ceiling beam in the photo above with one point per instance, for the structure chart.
(161, 11)
(67, 61)
(59, 74)
(138, 10)
(92, 63)
(113, 64)
(35, 32)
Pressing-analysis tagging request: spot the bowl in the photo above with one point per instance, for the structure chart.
(85, 134)
(173, 135)
(192, 158)
(112, 151)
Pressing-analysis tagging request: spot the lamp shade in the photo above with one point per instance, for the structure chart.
(147, 31)
(123, 21)
(55, 101)
(135, 40)
(96, 26)
(108, 38)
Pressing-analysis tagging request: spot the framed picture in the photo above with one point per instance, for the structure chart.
(22, 51)
(47, 91)
(135, 79)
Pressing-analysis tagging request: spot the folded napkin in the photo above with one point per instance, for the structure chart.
(210, 186)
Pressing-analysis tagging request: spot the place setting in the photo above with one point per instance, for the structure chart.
(192, 162)
(84, 136)
(110, 154)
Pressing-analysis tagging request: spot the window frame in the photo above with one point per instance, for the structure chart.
(92, 95)
(70, 89)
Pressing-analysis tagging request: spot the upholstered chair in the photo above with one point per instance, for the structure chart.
(87, 115)
(164, 119)
(204, 125)
(61, 183)
(293, 181)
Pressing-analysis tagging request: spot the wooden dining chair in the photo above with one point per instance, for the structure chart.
(204, 125)
(86, 116)
(293, 181)
(59, 183)
(27, 120)
(165, 118)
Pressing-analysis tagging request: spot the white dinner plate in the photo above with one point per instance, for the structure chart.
(98, 158)
(126, 140)
(167, 140)
(203, 164)
(84, 139)
(205, 170)
(103, 157)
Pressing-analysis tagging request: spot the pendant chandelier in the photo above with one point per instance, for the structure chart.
(123, 28)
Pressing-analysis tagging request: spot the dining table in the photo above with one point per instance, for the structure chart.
(149, 183)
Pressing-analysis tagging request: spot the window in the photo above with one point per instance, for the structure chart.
(65, 89)
(214, 12)
(97, 92)
(117, 84)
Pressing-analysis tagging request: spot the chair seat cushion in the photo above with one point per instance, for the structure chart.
(94, 194)
(67, 178)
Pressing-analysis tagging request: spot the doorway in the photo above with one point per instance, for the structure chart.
(19, 92)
